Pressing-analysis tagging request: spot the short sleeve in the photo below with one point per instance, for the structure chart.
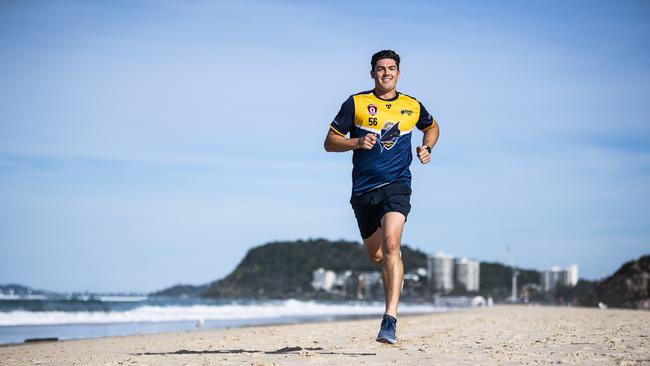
(426, 120)
(345, 118)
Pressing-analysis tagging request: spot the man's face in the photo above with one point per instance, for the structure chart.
(385, 74)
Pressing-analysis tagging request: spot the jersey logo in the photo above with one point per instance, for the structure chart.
(389, 134)
(372, 109)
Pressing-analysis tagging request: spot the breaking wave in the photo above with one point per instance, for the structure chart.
(229, 311)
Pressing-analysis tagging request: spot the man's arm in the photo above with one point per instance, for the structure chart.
(430, 138)
(337, 143)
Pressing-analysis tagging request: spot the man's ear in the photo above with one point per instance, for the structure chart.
(372, 74)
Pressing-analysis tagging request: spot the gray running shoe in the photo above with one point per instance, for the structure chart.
(387, 330)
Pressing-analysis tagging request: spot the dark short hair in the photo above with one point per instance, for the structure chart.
(382, 55)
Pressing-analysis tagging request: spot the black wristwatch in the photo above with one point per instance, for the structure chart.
(428, 148)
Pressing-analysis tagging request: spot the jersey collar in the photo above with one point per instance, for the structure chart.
(386, 100)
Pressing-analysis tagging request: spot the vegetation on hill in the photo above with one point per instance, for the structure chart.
(285, 269)
(629, 287)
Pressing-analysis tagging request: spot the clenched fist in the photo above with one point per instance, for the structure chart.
(423, 154)
(367, 142)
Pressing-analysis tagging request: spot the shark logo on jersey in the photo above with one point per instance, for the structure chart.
(389, 134)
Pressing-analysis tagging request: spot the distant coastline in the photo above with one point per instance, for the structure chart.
(285, 270)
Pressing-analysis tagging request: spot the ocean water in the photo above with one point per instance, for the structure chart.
(90, 317)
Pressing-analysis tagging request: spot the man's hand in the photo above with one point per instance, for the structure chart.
(423, 154)
(367, 142)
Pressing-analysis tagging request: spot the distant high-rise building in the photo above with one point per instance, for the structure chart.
(440, 271)
(323, 279)
(572, 275)
(370, 285)
(556, 276)
(551, 277)
(347, 283)
(467, 274)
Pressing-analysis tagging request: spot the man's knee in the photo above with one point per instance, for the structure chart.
(391, 246)
(393, 224)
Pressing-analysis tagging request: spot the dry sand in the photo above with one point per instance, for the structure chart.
(504, 335)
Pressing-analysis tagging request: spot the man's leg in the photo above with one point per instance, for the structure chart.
(383, 248)
(392, 225)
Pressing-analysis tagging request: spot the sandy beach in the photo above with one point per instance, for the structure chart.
(504, 335)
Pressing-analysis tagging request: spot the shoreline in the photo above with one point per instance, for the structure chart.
(80, 321)
(503, 334)
(271, 323)
(148, 328)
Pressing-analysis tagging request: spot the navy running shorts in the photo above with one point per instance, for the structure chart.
(370, 207)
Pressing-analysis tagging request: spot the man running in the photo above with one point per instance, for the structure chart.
(380, 122)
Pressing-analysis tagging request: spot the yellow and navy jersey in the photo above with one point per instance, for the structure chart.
(392, 121)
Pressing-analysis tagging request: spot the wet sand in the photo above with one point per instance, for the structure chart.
(500, 335)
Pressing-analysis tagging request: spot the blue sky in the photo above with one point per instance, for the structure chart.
(149, 143)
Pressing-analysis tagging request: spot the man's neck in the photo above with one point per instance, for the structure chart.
(385, 94)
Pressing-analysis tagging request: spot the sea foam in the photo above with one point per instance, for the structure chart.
(154, 313)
